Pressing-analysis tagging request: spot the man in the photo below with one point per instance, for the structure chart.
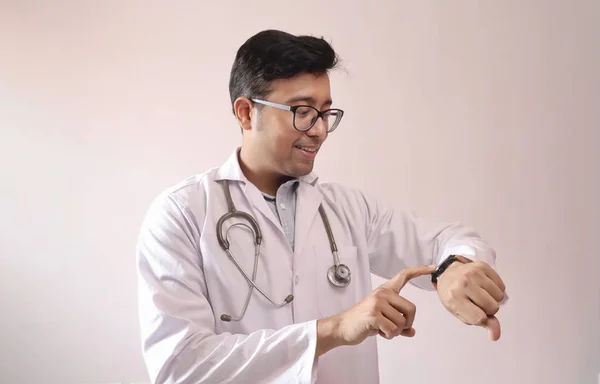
(203, 318)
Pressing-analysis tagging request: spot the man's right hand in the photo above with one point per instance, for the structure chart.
(382, 312)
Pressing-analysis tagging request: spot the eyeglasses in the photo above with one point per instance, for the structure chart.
(306, 116)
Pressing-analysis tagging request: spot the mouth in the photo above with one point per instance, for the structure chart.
(310, 152)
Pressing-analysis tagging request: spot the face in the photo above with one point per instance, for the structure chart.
(271, 138)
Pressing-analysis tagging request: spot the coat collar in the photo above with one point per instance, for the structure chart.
(307, 202)
(231, 170)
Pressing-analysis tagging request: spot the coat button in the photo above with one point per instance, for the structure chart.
(297, 279)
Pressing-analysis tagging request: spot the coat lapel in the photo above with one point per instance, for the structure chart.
(231, 171)
(307, 211)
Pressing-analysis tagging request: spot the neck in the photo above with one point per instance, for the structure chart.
(264, 179)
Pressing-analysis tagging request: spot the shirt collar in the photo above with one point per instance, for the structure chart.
(231, 170)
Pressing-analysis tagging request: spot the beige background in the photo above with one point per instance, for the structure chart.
(487, 112)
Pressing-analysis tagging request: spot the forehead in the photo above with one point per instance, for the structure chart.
(314, 89)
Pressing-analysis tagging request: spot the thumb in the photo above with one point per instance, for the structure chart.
(493, 326)
(398, 282)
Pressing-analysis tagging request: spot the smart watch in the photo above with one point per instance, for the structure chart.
(445, 264)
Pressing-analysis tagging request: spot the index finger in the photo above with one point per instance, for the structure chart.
(398, 282)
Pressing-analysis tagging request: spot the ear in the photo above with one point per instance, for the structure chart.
(243, 108)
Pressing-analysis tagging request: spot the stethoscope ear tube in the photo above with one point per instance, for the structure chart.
(221, 238)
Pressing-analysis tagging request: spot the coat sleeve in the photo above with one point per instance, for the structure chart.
(177, 324)
(397, 239)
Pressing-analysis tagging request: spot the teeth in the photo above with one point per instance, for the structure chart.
(308, 149)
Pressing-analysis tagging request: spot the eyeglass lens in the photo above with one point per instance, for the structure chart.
(306, 117)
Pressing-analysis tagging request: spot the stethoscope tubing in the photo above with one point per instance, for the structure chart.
(338, 274)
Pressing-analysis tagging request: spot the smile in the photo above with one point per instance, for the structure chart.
(307, 152)
(308, 149)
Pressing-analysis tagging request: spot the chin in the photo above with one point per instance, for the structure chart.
(299, 171)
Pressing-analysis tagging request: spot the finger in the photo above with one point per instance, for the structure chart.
(486, 283)
(386, 327)
(493, 326)
(469, 313)
(405, 307)
(396, 317)
(409, 332)
(493, 275)
(483, 299)
(397, 282)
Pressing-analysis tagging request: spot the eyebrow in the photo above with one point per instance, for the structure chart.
(308, 99)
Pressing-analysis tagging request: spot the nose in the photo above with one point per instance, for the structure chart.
(319, 130)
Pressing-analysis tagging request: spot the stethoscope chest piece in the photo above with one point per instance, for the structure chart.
(339, 275)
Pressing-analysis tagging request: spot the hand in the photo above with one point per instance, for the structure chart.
(382, 312)
(472, 292)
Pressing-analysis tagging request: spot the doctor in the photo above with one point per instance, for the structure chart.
(257, 272)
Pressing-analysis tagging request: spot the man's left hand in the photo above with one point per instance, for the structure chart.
(472, 292)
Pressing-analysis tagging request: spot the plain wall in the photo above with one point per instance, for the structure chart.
(485, 112)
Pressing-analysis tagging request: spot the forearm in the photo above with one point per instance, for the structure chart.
(412, 240)
(327, 335)
(284, 355)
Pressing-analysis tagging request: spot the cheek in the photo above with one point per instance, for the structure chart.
(283, 144)
(284, 137)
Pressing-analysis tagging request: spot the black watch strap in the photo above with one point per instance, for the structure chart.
(445, 264)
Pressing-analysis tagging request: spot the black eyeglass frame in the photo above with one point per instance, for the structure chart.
(294, 108)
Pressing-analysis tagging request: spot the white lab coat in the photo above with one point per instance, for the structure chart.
(186, 281)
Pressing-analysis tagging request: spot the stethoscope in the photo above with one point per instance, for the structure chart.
(338, 275)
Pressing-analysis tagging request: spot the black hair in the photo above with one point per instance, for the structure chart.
(270, 55)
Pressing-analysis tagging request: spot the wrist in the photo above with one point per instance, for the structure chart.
(328, 335)
(450, 262)
(454, 265)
